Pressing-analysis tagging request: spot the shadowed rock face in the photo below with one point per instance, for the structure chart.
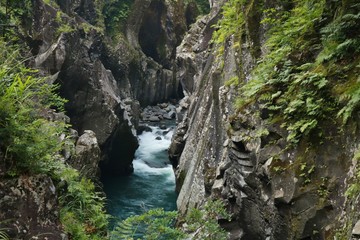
(143, 61)
(86, 9)
(272, 191)
(106, 83)
(151, 35)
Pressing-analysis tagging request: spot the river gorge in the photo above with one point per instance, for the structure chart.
(111, 108)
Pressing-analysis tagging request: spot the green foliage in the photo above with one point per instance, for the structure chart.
(323, 190)
(232, 81)
(152, 225)
(351, 100)
(3, 235)
(288, 37)
(340, 56)
(30, 141)
(277, 166)
(87, 28)
(156, 224)
(306, 171)
(204, 222)
(14, 10)
(32, 144)
(341, 39)
(115, 15)
(202, 5)
(14, 14)
(341, 52)
(51, 3)
(82, 212)
(64, 25)
(230, 25)
(297, 81)
(65, 28)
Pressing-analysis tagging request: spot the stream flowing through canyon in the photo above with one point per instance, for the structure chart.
(152, 185)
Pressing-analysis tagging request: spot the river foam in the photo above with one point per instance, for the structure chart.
(152, 185)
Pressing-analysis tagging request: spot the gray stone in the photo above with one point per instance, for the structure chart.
(172, 114)
(29, 207)
(356, 229)
(87, 155)
(154, 119)
(166, 116)
(143, 128)
(163, 105)
(256, 176)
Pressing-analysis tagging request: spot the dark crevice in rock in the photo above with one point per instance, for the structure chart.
(314, 225)
(270, 138)
(191, 12)
(152, 37)
(180, 92)
(239, 146)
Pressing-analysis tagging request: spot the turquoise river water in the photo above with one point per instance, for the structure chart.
(152, 185)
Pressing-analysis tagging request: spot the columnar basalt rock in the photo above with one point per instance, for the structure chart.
(200, 134)
(273, 191)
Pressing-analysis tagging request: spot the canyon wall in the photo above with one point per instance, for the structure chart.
(272, 190)
(106, 79)
(220, 151)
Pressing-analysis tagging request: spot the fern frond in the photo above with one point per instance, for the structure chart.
(3, 235)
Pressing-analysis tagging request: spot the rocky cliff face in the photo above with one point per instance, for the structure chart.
(29, 207)
(273, 191)
(106, 80)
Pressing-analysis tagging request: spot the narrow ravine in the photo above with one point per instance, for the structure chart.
(152, 185)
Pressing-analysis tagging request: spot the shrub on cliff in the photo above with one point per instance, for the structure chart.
(30, 137)
(30, 140)
(308, 76)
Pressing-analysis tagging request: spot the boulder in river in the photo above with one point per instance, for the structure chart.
(167, 117)
(163, 105)
(154, 119)
(143, 128)
(172, 114)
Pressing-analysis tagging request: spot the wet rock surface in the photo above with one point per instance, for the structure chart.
(158, 112)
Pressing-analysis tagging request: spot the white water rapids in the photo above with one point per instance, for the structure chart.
(152, 185)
